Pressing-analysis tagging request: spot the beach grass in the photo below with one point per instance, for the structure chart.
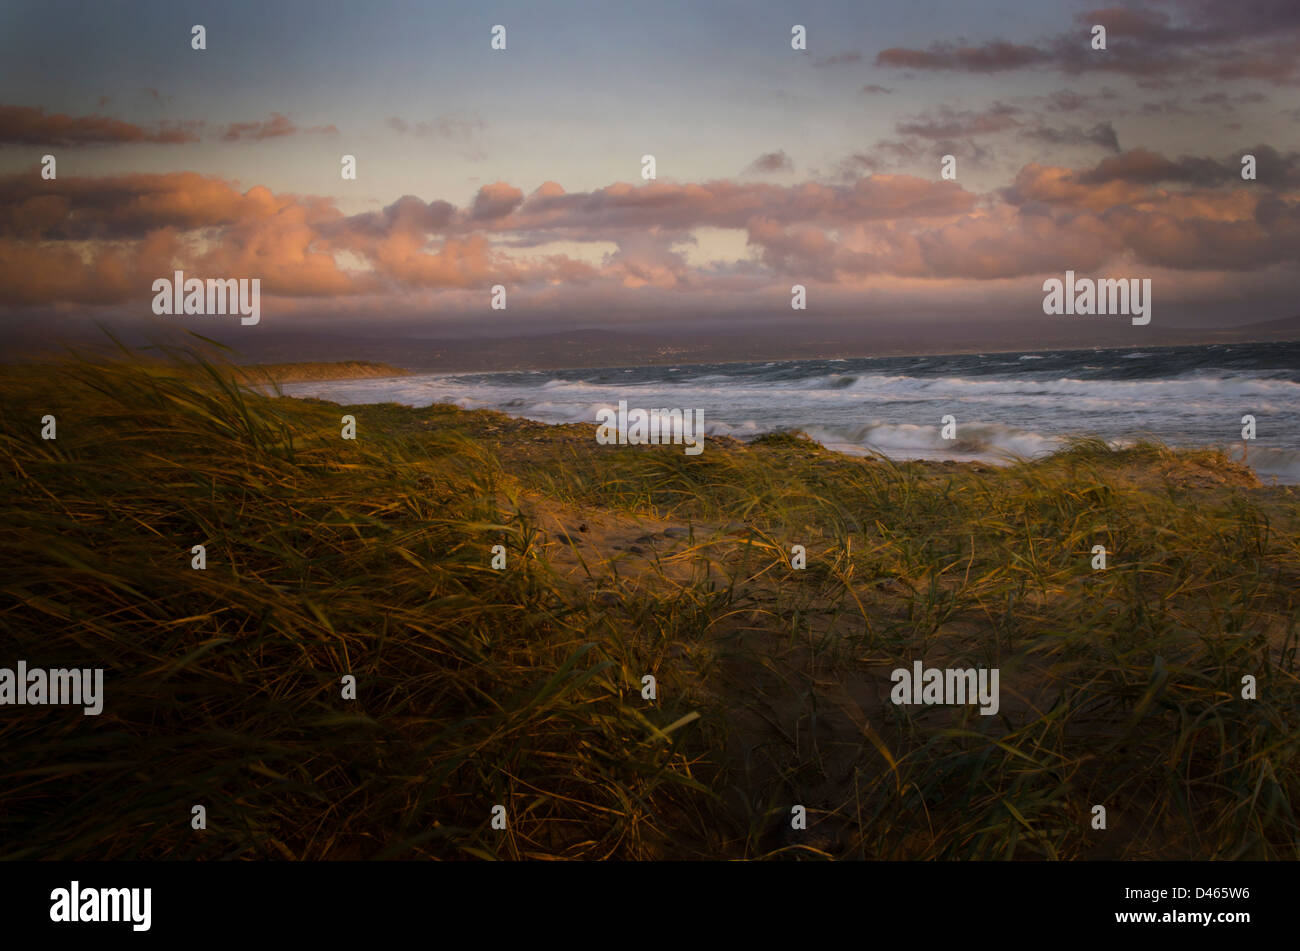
(522, 687)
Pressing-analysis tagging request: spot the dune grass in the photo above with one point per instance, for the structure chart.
(522, 687)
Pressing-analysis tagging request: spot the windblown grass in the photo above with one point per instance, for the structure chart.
(523, 687)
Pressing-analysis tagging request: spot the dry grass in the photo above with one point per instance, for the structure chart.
(522, 687)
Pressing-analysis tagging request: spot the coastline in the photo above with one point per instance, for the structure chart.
(893, 406)
(499, 587)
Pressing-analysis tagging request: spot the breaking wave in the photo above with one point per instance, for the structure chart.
(1006, 405)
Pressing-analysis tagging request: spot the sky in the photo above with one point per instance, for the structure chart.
(522, 167)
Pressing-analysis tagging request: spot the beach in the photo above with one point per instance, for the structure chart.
(1004, 405)
(500, 589)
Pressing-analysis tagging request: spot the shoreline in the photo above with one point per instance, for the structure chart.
(499, 586)
(995, 442)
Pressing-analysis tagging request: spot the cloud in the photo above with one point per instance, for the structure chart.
(100, 241)
(1276, 170)
(1222, 100)
(725, 204)
(109, 238)
(855, 165)
(277, 125)
(1144, 167)
(104, 240)
(873, 90)
(274, 127)
(25, 125)
(131, 206)
(1125, 23)
(1248, 39)
(1066, 100)
(771, 162)
(989, 57)
(1102, 135)
(408, 213)
(496, 201)
(948, 122)
(909, 153)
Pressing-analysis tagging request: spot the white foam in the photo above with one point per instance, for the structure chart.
(1024, 413)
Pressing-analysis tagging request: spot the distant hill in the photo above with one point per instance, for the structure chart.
(1284, 325)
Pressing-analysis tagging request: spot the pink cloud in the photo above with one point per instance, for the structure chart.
(103, 240)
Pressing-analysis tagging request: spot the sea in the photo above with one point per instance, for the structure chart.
(1005, 406)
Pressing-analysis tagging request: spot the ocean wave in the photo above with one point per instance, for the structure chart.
(841, 393)
(1175, 387)
(1025, 410)
(1281, 465)
(985, 440)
